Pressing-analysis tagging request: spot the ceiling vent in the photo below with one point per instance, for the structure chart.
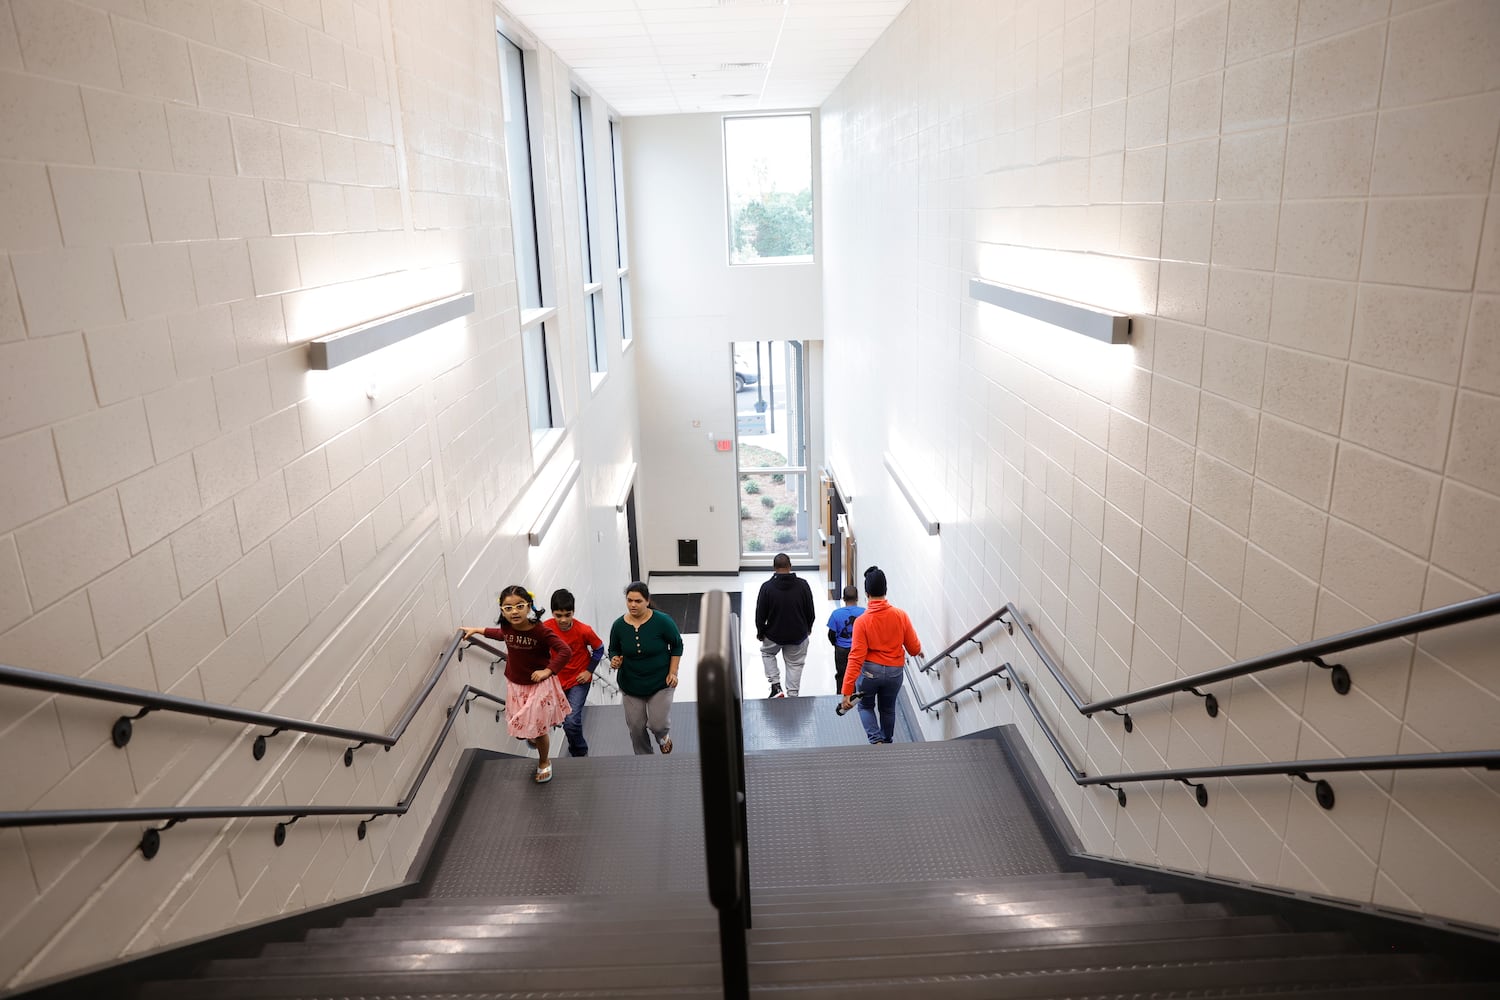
(727, 67)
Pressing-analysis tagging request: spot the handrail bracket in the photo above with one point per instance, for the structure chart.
(364, 826)
(121, 731)
(1200, 792)
(258, 748)
(349, 751)
(1210, 703)
(280, 835)
(1129, 722)
(1119, 793)
(1338, 674)
(151, 839)
(1322, 790)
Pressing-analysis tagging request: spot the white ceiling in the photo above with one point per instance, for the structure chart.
(655, 57)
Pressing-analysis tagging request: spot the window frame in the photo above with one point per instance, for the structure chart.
(582, 118)
(622, 241)
(543, 403)
(812, 187)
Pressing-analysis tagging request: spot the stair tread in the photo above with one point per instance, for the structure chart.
(761, 945)
(767, 966)
(1032, 982)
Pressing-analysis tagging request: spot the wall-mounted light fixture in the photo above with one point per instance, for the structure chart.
(929, 522)
(357, 341)
(622, 495)
(554, 504)
(1100, 324)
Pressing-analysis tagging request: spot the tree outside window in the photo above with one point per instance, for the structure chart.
(768, 167)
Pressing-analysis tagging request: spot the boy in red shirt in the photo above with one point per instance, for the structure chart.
(587, 649)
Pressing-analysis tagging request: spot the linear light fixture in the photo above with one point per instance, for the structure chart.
(1100, 324)
(554, 504)
(622, 495)
(357, 341)
(919, 508)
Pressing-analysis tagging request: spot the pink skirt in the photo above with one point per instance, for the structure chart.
(532, 709)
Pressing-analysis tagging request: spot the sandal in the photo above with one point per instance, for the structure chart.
(543, 774)
(666, 745)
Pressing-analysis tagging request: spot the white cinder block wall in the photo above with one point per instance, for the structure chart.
(1297, 203)
(189, 191)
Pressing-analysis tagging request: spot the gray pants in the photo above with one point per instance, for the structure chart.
(795, 656)
(648, 713)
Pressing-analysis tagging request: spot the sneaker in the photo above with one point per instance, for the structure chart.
(776, 690)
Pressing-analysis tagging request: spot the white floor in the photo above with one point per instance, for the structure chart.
(817, 676)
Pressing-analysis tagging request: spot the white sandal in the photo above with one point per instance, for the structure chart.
(543, 774)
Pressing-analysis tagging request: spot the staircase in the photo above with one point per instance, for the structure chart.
(900, 871)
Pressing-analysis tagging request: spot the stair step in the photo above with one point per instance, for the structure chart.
(646, 950)
(952, 902)
(889, 889)
(946, 900)
(1062, 906)
(1042, 960)
(763, 948)
(1091, 979)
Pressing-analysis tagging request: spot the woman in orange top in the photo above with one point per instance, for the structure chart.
(883, 637)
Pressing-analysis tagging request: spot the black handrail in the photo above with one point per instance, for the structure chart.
(1307, 652)
(972, 685)
(721, 748)
(1323, 791)
(997, 615)
(153, 701)
(151, 839)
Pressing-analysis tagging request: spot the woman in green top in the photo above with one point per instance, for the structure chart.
(645, 647)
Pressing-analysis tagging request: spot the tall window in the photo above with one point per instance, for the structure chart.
(768, 174)
(593, 289)
(617, 160)
(770, 392)
(529, 254)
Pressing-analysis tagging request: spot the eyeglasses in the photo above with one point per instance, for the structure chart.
(514, 607)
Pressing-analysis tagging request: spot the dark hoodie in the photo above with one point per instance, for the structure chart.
(784, 610)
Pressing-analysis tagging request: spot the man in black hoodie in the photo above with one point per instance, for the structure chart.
(784, 618)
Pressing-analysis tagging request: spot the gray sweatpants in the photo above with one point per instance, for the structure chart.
(795, 655)
(652, 713)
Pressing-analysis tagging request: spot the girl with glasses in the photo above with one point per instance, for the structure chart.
(534, 699)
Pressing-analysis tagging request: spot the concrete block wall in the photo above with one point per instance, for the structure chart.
(1296, 201)
(189, 191)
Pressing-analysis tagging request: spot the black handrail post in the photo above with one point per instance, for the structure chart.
(722, 775)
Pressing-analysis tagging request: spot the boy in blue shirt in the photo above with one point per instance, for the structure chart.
(841, 631)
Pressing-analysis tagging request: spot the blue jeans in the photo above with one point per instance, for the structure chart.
(573, 724)
(879, 686)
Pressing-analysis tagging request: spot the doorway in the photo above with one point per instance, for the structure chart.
(771, 449)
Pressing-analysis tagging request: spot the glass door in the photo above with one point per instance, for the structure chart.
(771, 448)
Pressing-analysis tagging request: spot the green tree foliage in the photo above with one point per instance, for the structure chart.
(777, 225)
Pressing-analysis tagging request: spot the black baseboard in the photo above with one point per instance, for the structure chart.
(731, 573)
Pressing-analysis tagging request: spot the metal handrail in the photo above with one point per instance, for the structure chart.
(153, 701)
(998, 615)
(721, 743)
(1323, 791)
(972, 685)
(1307, 652)
(151, 840)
